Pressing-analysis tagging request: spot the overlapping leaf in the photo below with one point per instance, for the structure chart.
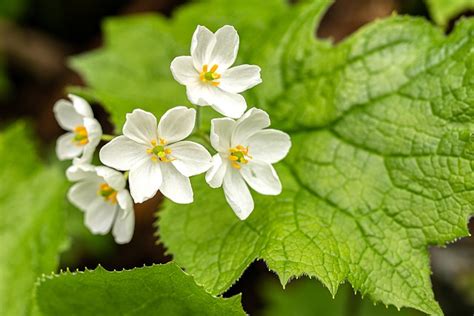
(156, 290)
(442, 11)
(381, 164)
(31, 221)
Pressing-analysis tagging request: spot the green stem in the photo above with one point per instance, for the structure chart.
(205, 138)
(197, 128)
(125, 175)
(107, 137)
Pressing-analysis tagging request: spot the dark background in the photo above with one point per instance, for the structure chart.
(36, 38)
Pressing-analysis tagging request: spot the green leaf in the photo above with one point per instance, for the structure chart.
(305, 297)
(442, 11)
(156, 290)
(32, 198)
(381, 164)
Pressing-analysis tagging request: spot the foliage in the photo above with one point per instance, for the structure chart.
(32, 223)
(156, 290)
(381, 165)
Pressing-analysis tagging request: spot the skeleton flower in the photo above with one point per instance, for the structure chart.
(100, 192)
(246, 152)
(206, 73)
(84, 132)
(156, 156)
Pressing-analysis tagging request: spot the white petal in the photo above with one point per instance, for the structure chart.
(175, 186)
(237, 194)
(140, 126)
(199, 93)
(250, 123)
(125, 200)
(78, 172)
(225, 49)
(82, 194)
(261, 177)
(269, 145)
(82, 106)
(240, 78)
(190, 158)
(215, 175)
(122, 153)
(229, 104)
(100, 215)
(221, 133)
(183, 70)
(66, 148)
(94, 133)
(145, 180)
(176, 124)
(66, 115)
(123, 227)
(112, 177)
(201, 46)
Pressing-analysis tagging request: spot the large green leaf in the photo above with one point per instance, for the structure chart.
(32, 200)
(156, 290)
(381, 164)
(442, 11)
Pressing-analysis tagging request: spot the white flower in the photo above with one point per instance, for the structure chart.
(84, 132)
(246, 152)
(100, 192)
(206, 73)
(156, 156)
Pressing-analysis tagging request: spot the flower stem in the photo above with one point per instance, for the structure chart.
(125, 175)
(107, 137)
(204, 137)
(198, 119)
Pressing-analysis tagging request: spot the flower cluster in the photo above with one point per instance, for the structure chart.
(155, 155)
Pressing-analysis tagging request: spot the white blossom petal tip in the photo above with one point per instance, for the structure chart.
(207, 75)
(246, 152)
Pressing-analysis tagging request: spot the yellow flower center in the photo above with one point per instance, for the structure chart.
(80, 136)
(159, 151)
(108, 193)
(208, 76)
(239, 155)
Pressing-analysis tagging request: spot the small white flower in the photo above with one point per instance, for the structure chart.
(156, 156)
(246, 152)
(84, 132)
(100, 192)
(206, 73)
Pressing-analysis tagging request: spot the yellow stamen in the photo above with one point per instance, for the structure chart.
(108, 193)
(80, 136)
(159, 152)
(235, 165)
(239, 155)
(209, 76)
